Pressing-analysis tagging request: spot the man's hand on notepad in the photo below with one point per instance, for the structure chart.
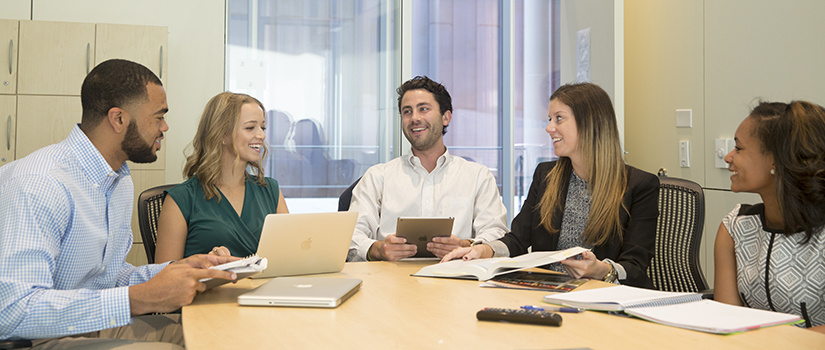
(177, 284)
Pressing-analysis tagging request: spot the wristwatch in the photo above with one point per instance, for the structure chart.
(611, 276)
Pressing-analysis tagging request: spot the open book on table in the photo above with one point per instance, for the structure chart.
(246, 267)
(683, 310)
(485, 269)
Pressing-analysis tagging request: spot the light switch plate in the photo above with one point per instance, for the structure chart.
(684, 118)
(684, 154)
(721, 148)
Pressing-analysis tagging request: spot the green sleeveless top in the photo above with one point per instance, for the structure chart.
(211, 224)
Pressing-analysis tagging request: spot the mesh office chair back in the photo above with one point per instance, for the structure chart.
(149, 204)
(675, 265)
(346, 197)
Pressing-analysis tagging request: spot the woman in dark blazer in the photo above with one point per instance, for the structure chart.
(589, 197)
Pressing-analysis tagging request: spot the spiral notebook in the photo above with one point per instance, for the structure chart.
(619, 298)
(713, 317)
(683, 310)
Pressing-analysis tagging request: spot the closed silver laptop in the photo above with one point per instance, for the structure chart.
(302, 244)
(328, 292)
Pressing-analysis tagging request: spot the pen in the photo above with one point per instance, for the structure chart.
(573, 310)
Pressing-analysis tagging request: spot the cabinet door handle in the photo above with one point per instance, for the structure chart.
(8, 133)
(88, 56)
(11, 49)
(161, 62)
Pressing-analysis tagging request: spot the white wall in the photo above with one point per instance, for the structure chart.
(196, 53)
(604, 18)
(15, 9)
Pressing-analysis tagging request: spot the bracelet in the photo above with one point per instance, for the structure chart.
(611, 275)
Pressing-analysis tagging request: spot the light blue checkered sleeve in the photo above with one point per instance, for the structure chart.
(131, 275)
(35, 217)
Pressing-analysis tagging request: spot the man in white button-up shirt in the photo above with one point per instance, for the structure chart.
(430, 182)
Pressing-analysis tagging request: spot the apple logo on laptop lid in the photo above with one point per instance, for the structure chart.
(306, 245)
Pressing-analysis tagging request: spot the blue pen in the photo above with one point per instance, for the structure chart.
(572, 310)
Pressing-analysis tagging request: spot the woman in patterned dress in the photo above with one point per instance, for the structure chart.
(771, 255)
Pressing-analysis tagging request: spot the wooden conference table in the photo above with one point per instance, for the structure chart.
(394, 310)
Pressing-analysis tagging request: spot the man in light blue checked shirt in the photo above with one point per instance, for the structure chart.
(65, 228)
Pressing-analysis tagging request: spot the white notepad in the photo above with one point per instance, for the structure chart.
(247, 267)
(713, 317)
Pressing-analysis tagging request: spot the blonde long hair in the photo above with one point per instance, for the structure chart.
(219, 119)
(601, 151)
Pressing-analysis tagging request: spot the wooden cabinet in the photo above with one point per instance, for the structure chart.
(8, 118)
(143, 44)
(44, 120)
(8, 56)
(54, 57)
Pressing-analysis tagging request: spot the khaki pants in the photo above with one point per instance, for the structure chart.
(146, 332)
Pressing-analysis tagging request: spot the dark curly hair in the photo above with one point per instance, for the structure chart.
(793, 134)
(442, 97)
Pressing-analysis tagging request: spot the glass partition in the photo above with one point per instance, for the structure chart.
(326, 71)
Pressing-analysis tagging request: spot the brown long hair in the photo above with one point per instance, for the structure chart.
(219, 119)
(601, 151)
(793, 134)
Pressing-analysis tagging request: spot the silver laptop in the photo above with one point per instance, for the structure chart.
(302, 244)
(302, 292)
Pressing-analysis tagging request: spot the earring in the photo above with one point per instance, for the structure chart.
(773, 172)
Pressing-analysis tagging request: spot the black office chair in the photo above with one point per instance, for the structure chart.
(149, 204)
(675, 266)
(346, 197)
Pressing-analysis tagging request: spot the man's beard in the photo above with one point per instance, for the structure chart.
(427, 141)
(136, 148)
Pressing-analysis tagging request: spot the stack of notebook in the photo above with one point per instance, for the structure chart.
(684, 310)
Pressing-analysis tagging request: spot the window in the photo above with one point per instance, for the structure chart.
(324, 71)
(459, 44)
(327, 72)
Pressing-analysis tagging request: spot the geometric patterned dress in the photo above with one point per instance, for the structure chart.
(795, 282)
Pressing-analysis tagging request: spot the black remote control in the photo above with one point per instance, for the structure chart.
(540, 317)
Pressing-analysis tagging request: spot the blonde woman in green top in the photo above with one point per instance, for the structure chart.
(221, 207)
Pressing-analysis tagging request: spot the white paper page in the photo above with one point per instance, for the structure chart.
(712, 316)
